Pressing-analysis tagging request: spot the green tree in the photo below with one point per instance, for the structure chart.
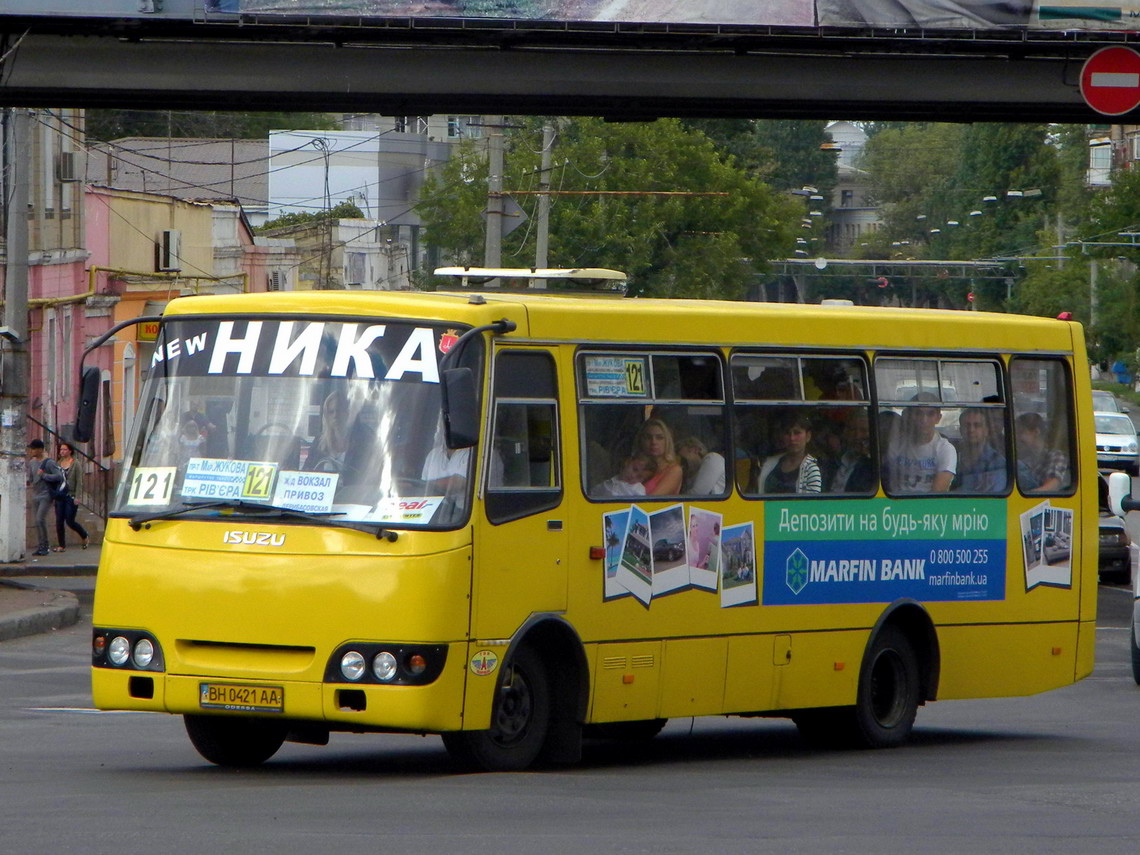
(343, 211)
(670, 245)
(910, 170)
(1113, 215)
(796, 154)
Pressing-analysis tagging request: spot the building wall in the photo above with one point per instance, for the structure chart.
(196, 169)
(57, 257)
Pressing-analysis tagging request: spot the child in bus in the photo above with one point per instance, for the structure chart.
(630, 481)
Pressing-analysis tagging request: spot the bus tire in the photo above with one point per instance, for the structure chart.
(519, 721)
(1135, 655)
(888, 696)
(235, 742)
(626, 731)
(885, 706)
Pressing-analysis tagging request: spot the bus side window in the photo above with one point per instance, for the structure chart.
(524, 463)
(922, 401)
(802, 425)
(1043, 425)
(677, 395)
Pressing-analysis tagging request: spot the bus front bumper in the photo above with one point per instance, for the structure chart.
(435, 707)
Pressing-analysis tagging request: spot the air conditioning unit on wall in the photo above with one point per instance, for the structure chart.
(66, 166)
(168, 251)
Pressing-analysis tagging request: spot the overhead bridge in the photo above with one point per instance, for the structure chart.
(187, 58)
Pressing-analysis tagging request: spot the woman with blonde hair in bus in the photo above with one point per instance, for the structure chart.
(655, 440)
(328, 450)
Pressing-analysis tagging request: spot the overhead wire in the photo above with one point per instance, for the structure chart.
(314, 203)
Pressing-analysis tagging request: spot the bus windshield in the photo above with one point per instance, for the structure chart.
(334, 419)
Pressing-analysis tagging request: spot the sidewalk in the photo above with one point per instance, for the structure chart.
(29, 600)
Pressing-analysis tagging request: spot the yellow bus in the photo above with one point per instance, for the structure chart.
(522, 518)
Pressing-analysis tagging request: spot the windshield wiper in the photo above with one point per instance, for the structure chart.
(144, 520)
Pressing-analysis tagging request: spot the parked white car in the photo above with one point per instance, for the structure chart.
(1117, 446)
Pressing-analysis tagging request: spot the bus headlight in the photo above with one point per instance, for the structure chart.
(352, 666)
(385, 663)
(134, 649)
(119, 651)
(144, 652)
(384, 666)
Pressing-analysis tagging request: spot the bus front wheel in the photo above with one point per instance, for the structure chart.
(235, 741)
(519, 721)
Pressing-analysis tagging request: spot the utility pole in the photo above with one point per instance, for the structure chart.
(14, 341)
(542, 231)
(1093, 275)
(493, 250)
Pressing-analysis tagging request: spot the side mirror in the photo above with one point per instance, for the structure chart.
(1120, 499)
(88, 404)
(460, 408)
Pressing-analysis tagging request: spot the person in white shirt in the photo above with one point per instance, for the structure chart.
(630, 481)
(919, 459)
(445, 469)
(704, 469)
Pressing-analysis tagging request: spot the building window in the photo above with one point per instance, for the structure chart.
(846, 198)
(461, 127)
(1100, 163)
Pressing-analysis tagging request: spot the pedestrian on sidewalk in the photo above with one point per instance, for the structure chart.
(43, 472)
(66, 503)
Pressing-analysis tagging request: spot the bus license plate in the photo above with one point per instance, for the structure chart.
(230, 696)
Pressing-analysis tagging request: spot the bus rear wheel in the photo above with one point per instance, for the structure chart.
(885, 706)
(888, 692)
(236, 742)
(519, 721)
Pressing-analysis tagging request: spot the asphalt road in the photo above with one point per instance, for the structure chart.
(1051, 773)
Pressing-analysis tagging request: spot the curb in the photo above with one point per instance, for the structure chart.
(24, 569)
(60, 609)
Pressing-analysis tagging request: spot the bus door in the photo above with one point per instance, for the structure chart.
(520, 547)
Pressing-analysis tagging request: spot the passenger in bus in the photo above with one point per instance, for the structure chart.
(328, 450)
(655, 440)
(919, 459)
(635, 470)
(1040, 469)
(794, 470)
(190, 441)
(856, 470)
(445, 470)
(827, 443)
(704, 469)
(981, 466)
(888, 421)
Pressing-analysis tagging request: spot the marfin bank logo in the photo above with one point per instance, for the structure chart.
(796, 571)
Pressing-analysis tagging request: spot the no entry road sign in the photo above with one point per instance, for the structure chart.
(1110, 81)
